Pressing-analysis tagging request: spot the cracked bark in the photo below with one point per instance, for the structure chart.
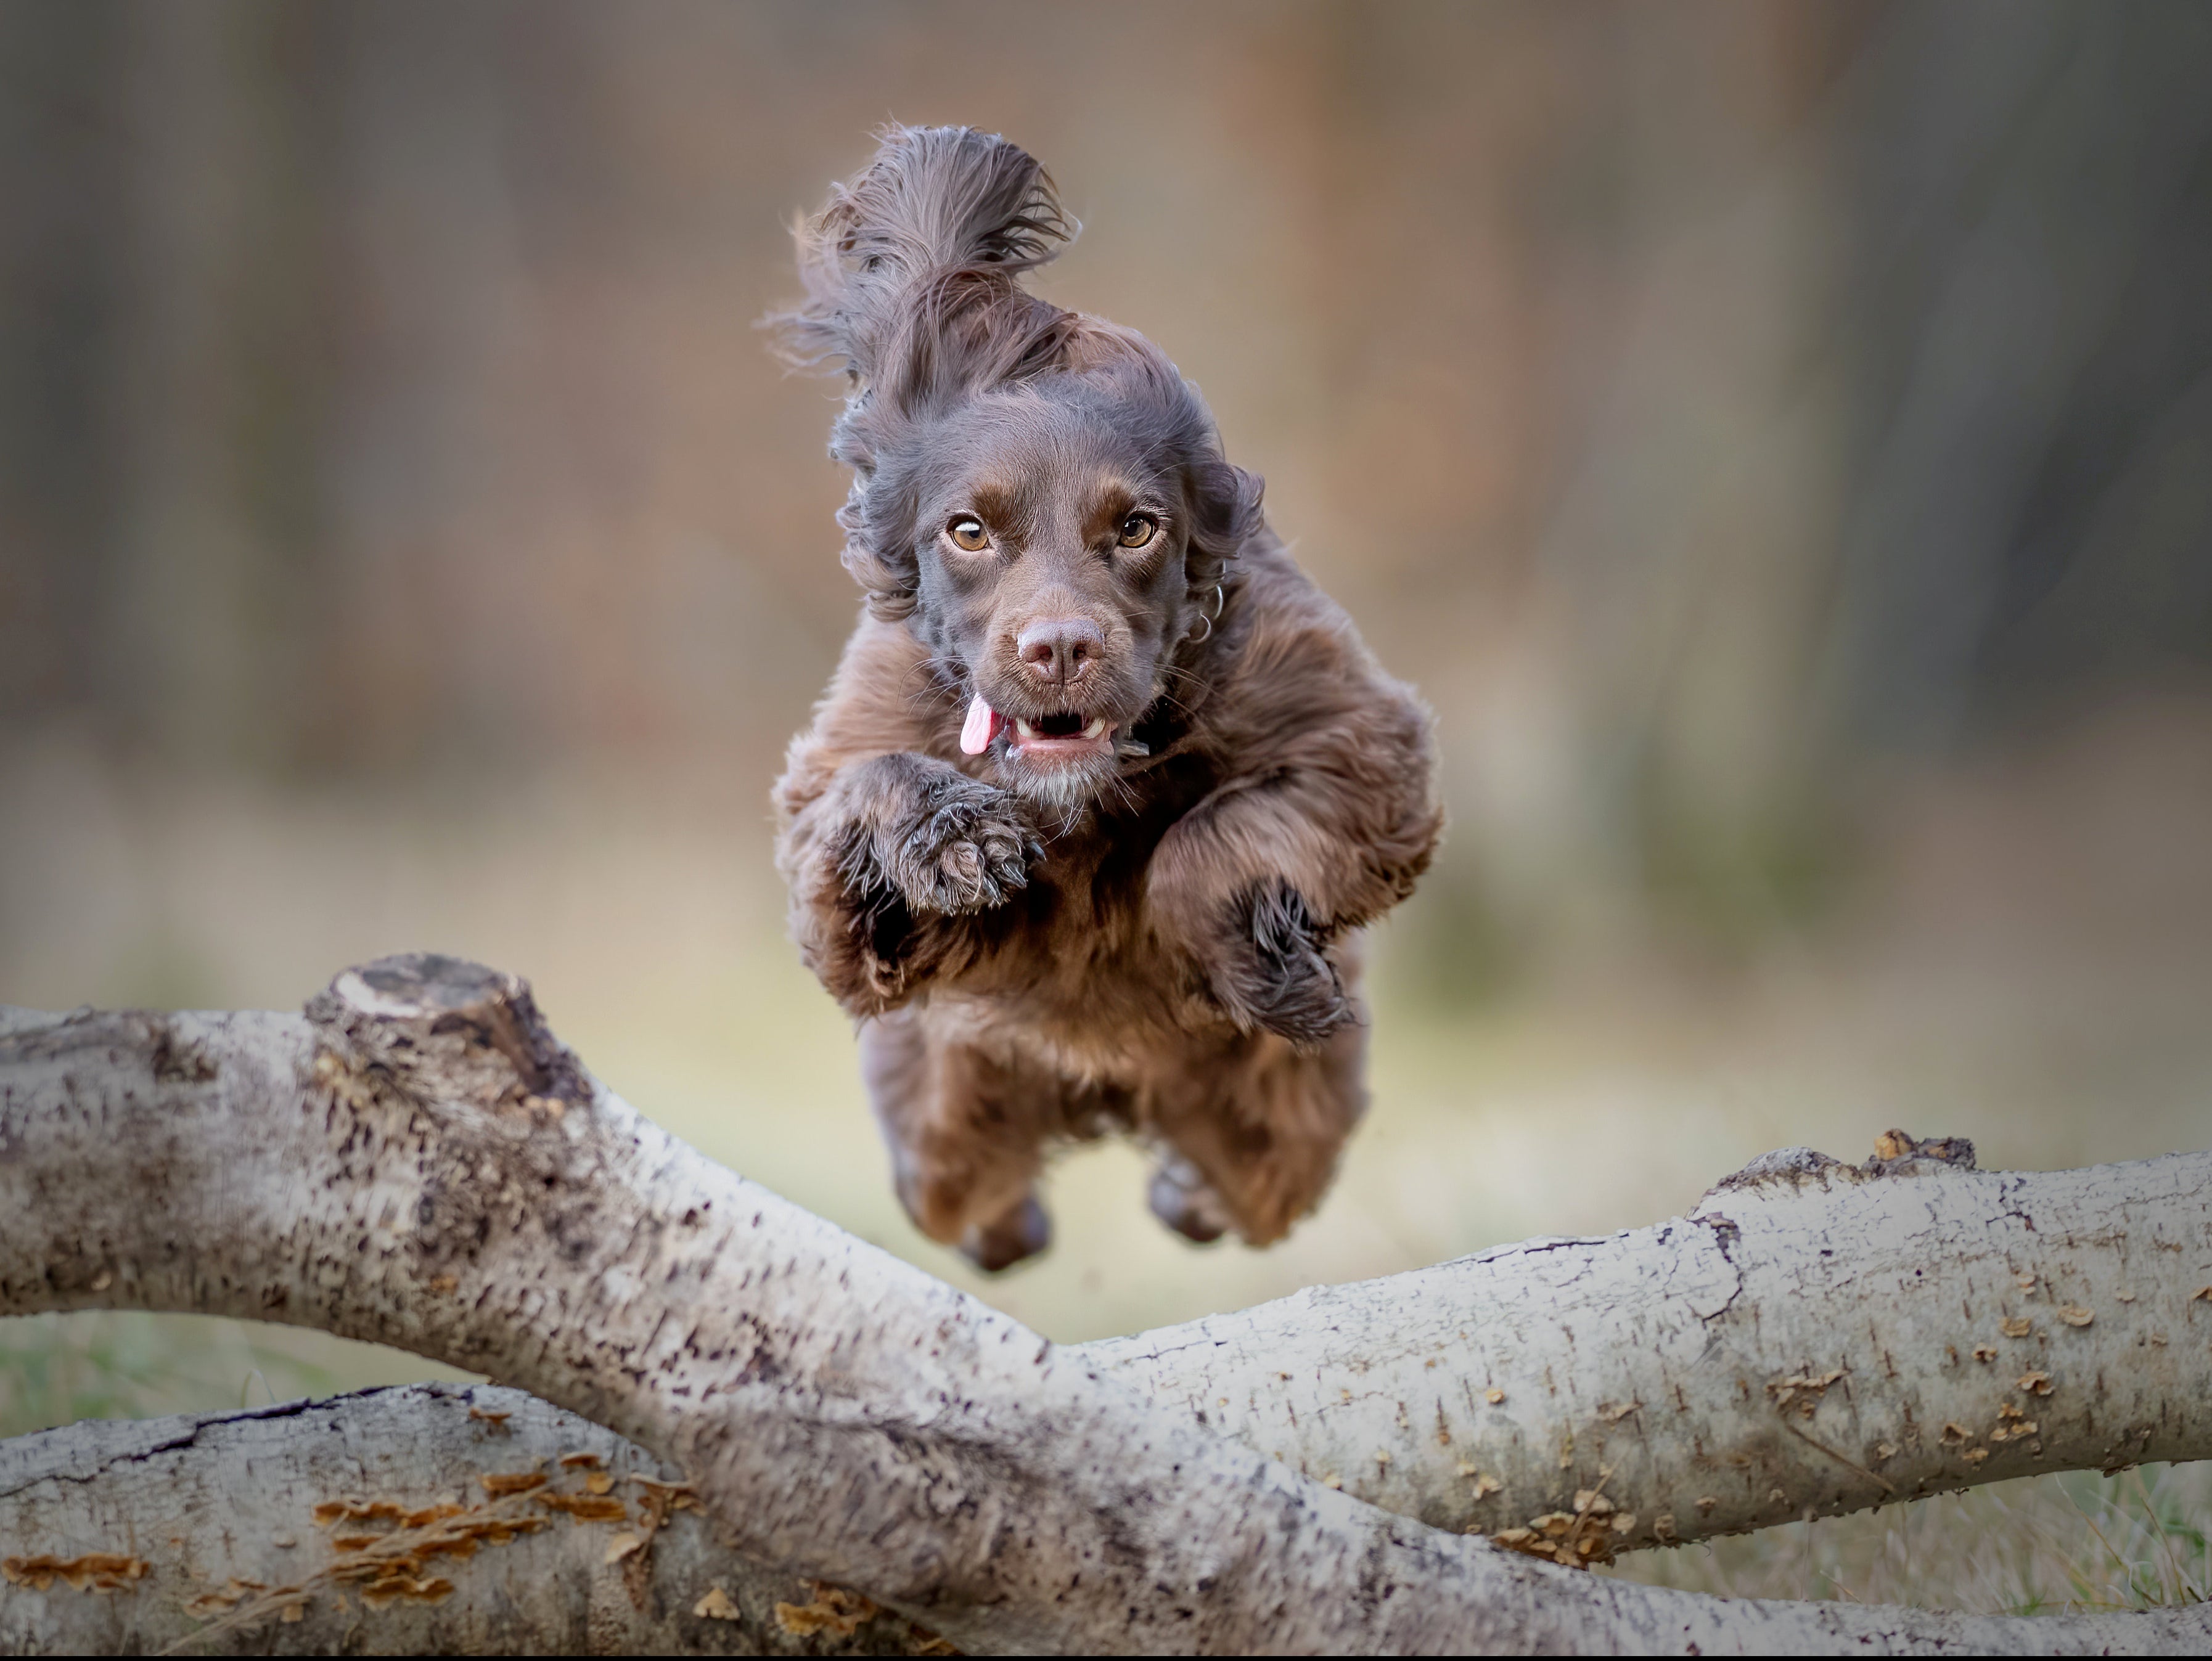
(422, 1164)
(237, 1493)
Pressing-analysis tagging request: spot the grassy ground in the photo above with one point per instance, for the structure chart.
(2074, 1541)
(2009, 972)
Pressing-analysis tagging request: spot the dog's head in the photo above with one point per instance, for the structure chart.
(1040, 495)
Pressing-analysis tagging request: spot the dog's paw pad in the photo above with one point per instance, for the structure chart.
(967, 854)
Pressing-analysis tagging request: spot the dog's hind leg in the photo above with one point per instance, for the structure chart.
(1254, 1135)
(966, 1133)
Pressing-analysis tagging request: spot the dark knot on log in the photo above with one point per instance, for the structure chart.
(1896, 1154)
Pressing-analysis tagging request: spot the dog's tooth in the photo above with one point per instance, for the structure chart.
(1098, 726)
(1023, 728)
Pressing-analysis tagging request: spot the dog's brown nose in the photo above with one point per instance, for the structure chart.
(1060, 648)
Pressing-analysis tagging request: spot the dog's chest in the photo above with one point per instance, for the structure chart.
(1075, 964)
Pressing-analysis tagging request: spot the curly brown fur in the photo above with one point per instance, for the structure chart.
(1086, 826)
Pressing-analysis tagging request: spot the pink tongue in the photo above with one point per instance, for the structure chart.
(980, 727)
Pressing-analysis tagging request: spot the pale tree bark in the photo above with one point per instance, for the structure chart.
(423, 1165)
(217, 1533)
(1812, 1338)
(1722, 1373)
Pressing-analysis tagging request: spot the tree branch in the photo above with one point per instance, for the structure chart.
(424, 1165)
(297, 1518)
(1814, 1338)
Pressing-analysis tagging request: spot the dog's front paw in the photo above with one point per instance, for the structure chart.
(1273, 972)
(960, 846)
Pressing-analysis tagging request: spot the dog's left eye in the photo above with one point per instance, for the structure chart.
(1138, 529)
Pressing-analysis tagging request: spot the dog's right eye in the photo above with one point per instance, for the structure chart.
(967, 531)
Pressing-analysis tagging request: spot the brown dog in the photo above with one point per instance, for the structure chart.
(1083, 828)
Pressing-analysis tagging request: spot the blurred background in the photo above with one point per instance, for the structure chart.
(1778, 439)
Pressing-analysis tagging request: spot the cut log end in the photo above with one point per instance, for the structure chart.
(447, 1027)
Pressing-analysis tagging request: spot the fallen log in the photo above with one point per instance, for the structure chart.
(421, 1163)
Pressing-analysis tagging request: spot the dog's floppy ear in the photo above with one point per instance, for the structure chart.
(911, 271)
(1225, 514)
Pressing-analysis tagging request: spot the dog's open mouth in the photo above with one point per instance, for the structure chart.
(1056, 727)
(1066, 734)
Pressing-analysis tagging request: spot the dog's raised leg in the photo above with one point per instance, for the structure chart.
(885, 862)
(1256, 1137)
(966, 1133)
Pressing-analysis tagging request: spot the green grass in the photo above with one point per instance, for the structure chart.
(56, 1369)
(2072, 1542)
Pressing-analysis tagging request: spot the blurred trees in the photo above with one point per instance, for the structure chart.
(1701, 403)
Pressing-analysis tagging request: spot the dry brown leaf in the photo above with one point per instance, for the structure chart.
(94, 1571)
(830, 1609)
(586, 1507)
(393, 1587)
(357, 1511)
(716, 1606)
